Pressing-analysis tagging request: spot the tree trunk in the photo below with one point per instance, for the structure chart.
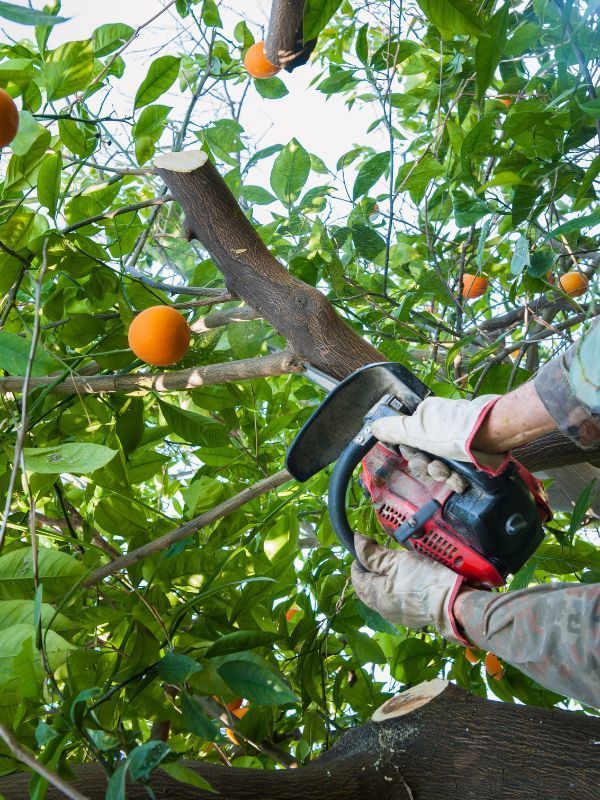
(432, 742)
(299, 312)
(285, 45)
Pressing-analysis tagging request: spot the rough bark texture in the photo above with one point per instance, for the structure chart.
(454, 746)
(296, 310)
(285, 45)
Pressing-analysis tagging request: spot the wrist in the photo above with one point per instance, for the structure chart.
(515, 419)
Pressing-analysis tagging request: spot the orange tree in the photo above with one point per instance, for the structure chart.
(151, 547)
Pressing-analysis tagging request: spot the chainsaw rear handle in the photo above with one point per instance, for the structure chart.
(351, 457)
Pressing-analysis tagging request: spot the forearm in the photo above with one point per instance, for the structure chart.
(550, 632)
(517, 418)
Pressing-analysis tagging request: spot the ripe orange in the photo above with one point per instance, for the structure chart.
(493, 666)
(239, 713)
(473, 286)
(9, 118)
(471, 657)
(573, 283)
(506, 101)
(234, 704)
(291, 612)
(257, 64)
(160, 336)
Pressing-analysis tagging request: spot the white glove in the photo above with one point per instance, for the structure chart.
(443, 428)
(430, 469)
(406, 587)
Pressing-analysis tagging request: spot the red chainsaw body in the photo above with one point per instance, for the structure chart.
(397, 494)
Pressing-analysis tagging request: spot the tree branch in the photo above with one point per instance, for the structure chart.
(285, 45)
(246, 369)
(216, 513)
(110, 214)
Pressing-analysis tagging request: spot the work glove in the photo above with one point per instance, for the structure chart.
(430, 469)
(444, 428)
(406, 587)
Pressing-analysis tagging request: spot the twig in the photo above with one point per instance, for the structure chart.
(25, 383)
(155, 201)
(179, 380)
(218, 512)
(27, 758)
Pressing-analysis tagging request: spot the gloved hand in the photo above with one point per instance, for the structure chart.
(444, 428)
(406, 587)
(427, 469)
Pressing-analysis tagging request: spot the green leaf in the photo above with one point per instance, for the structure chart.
(412, 659)
(29, 132)
(575, 225)
(362, 44)
(77, 458)
(290, 172)
(520, 258)
(68, 69)
(247, 340)
(592, 108)
(238, 641)
(467, 210)
(177, 667)
(28, 16)
(116, 785)
(76, 137)
(187, 775)
(373, 619)
(17, 644)
(367, 241)
(196, 721)
(523, 199)
(14, 354)
(588, 179)
(161, 76)
(317, 14)
(369, 173)
(488, 51)
(57, 571)
(584, 501)
(17, 612)
(256, 194)
(192, 427)
(203, 493)
(143, 760)
(415, 176)
(148, 130)
(453, 16)
(257, 684)
(48, 182)
(271, 88)
(210, 14)
(479, 140)
(108, 38)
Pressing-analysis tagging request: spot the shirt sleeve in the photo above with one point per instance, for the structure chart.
(569, 388)
(551, 632)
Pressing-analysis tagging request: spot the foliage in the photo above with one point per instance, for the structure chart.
(489, 165)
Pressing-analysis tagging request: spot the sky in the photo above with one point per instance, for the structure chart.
(326, 127)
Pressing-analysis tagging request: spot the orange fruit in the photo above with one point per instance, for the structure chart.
(473, 286)
(160, 336)
(257, 64)
(573, 283)
(9, 118)
(493, 667)
(239, 713)
(234, 704)
(291, 612)
(471, 657)
(506, 101)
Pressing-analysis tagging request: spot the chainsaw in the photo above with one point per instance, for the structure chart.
(483, 533)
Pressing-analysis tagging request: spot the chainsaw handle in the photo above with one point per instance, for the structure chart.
(338, 487)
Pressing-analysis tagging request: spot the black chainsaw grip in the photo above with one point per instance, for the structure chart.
(338, 487)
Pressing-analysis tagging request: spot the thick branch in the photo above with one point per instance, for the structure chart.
(285, 44)
(297, 311)
(216, 513)
(245, 369)
(429, 743)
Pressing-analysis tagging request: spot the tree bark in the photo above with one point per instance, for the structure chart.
(285, 45)
(298, 311)
(434, 742)
(245, 369)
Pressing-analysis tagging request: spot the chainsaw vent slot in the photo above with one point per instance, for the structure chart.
(437, 546)
(392, 515)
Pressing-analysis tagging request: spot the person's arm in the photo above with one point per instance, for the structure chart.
(550, 632)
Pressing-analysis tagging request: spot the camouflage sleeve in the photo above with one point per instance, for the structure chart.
(569, 388)
(551, 632)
